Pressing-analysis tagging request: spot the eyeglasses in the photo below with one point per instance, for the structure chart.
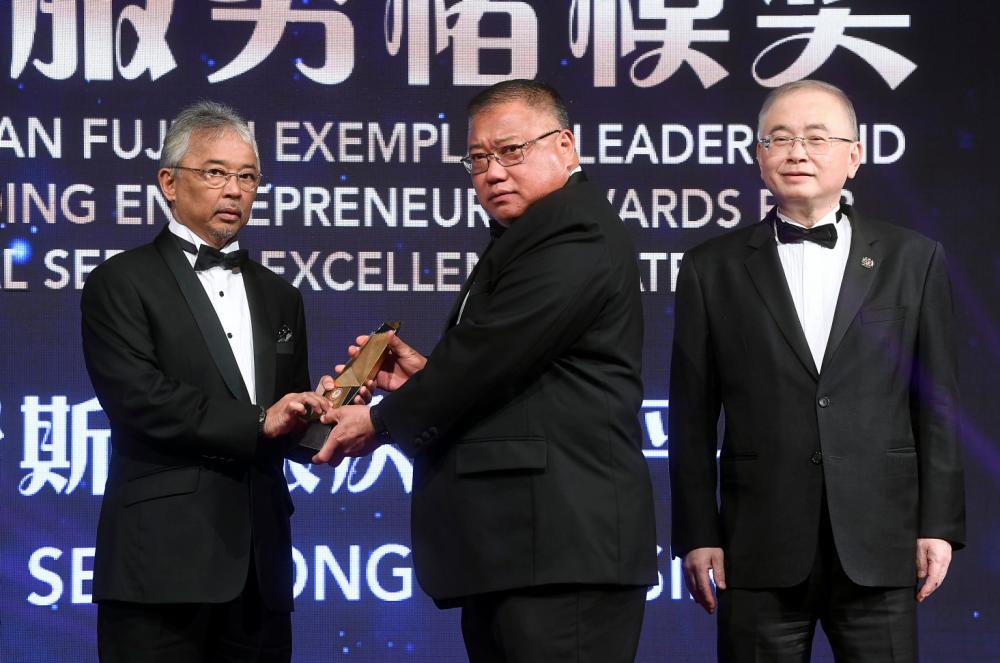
(506, 156)
(814, 145)
(216, 178)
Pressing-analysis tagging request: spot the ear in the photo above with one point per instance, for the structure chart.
(761, 154)
(854, 156)
(566, 144)
(168, 184)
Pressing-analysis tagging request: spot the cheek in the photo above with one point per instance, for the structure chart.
(479, 185)
(768, 176)
(533, 186)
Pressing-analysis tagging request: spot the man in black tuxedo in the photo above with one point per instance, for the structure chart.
(188, 345)
(827, 340)
(532, 503)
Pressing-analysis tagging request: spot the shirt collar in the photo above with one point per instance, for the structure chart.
(182, 231)
(830, 217)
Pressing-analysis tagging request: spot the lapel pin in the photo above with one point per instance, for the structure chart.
(867, 262)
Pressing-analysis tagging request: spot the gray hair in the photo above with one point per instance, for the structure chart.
(807, 84)
(207, 116)
(533, 93)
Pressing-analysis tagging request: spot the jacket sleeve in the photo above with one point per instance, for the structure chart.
(693, 420)
(119, 349)
(934, 410)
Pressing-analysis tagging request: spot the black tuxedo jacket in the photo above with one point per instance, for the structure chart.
(189, 484)
(875, 430)
(528, 462)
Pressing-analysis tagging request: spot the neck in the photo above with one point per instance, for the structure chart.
(807, 213)
(213, 241)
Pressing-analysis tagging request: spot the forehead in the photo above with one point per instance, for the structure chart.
(510, 119)
(227, 146)
(806, 108)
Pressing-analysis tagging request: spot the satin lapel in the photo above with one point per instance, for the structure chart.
(857, 282)
(264, 341)
(765, 271)
(203, 313)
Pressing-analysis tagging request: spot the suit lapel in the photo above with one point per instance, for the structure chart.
(765, 271)
(264, 352)
(856, 283)
(496, 231)
(203, 313)
(457, 306)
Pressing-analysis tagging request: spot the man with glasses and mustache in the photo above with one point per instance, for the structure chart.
(827, 340)
(198, 356)
(532, 503)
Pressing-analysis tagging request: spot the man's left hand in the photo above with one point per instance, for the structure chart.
(933, 559)
(352, 434)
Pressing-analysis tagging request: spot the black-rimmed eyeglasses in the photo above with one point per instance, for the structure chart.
(216, 178)
(506, 156)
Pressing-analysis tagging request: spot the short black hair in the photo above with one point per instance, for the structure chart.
(533, 93)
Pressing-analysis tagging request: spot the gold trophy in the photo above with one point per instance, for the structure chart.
(361, 368)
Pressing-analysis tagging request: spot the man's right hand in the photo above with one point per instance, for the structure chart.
(401, 363)
(288, 413)
(697, 564)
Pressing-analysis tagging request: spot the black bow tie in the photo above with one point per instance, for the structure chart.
(209, 257)
(825, 235)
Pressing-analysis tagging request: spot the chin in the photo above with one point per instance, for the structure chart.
(796, 195)
(224, 234)
(505, 214)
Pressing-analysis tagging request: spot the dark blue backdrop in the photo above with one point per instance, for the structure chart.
(358, 112)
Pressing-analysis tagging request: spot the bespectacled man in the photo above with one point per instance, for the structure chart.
(532, 503)
(826, 338)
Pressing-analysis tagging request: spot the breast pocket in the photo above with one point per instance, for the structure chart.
(882, 314)
(882, 338)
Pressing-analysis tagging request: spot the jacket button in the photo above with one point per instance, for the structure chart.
(817, 458)
(824, 402)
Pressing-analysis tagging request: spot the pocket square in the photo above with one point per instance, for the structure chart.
(285, 334)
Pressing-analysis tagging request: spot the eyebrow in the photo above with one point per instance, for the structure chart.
(816, 126)
(223, 163)
(499, 141)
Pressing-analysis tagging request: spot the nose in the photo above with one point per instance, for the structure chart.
(232, 187)
(494, 171)
(800, 145)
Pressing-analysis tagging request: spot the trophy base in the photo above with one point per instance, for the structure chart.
(311, 442)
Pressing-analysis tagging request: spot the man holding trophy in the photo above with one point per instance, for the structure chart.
(532, 503)
(198, 356)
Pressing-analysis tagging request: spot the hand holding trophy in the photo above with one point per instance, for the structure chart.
(359, 370)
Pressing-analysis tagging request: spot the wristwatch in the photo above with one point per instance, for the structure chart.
(261, 418)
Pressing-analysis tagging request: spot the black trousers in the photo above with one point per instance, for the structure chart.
(554, 624)
(239, 631)
(863, 624)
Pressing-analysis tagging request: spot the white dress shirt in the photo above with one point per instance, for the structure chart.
(228, 295)
(813, 274)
